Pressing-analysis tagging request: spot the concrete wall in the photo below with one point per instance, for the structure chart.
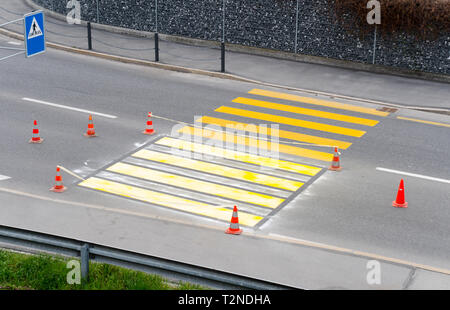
(267, 24)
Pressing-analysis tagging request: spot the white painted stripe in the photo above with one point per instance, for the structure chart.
(14, 43)
(303, 241)
(413, 175)
(4, 177)
(71, 173)
(69, 108)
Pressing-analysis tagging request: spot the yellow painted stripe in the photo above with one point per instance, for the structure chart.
(423, 121)
(260, 144)
(229, 172)
(239, 156)
(319, 102)
(291, 121)
(277, 133)
(169, 201)
(310, 112)
(197, 185)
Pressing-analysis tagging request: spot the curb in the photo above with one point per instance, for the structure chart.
(132, 60)
(346, 64)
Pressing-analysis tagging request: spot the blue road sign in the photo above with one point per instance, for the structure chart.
(34, 33)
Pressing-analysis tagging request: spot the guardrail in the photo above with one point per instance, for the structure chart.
(87, 252)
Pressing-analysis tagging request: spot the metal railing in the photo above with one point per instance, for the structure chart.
(87, 251)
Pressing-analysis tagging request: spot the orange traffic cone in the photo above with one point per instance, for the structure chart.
(149, 128)
(234, 225)
(59, 187)
(91, 131)
(35, 137)
(400, 202)
(335, 164)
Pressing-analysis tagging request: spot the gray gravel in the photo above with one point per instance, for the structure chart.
(267, 24)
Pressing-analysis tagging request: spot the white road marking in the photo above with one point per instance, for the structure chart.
(68, 108)
(14, 43)
(413, 175)
(4, 177)
(336, 249)
(70, 172)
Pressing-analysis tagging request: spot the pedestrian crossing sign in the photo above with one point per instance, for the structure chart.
(35, 30)
(34, 33)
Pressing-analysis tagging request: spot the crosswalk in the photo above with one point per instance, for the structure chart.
(228, 158)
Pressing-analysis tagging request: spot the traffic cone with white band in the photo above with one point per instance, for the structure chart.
(149, 128)
(335, 164)
(58, 187)
(35, 137)
(91, 130)
(234, 225)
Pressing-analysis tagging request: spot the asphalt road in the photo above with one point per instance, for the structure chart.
(349, 209)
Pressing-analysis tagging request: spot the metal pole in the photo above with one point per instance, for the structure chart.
(98, 15)
(374, 44)
(223, 21)
(296, 29)
(156, 15)
(89, 35)
(84, 256)
(156, 32)
(222, 45)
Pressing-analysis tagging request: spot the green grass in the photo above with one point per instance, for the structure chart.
(45, 272)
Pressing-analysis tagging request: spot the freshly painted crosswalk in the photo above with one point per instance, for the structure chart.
(239, 156)
(318, 102)
(298, 110)
(196, 185)
(169, 201)
(229, 172)
(284, 134)
(257, 143)
(272, 118)
(116, 180)
(236, 157)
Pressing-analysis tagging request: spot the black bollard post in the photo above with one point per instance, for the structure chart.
(222, 66)
(89, 35)
(156, 47)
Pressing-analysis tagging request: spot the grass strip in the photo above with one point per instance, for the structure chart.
(45, 272)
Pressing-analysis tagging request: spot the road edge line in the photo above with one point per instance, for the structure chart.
(413, 175)
(61, 106)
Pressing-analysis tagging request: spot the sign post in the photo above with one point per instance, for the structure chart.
(34, 33)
